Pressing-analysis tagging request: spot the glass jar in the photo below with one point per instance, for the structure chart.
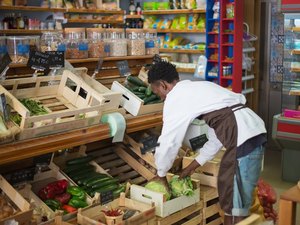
(52, 41)
(18, 48)
(77, 45)
(135, 42)
(3, 49)
(96, 42)
(152, 42)
(34, 43)
(117, 43)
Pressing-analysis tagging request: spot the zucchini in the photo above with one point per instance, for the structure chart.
(111, 187)
(104, 183)
(117, 192)
(75, 175)
(78, 168)
(136, 88)
(98, 180)
(90, 178)
(142, 89)
(136, 81)
(148, 91)
(80, 160)
(154, 102)
(150, 99)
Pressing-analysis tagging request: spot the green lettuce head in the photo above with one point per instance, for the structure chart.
(158, 187)
(181, 187)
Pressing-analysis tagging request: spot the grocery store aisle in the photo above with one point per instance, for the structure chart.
(272, 175)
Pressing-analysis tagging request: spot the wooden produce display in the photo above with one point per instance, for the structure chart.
(57, 221)
(69, 101)
(253, 219)
(132, 103)
(144, 215)
(19, 208)
(165, 208)
(207, 175)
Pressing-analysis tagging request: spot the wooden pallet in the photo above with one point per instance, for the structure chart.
(191, 215)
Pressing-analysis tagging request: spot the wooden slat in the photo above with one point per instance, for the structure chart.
(173, 11)
(211, 210)
(191, 51)
(106, 158)
(111, 164)
(138, 180)
(117, 170)
(19, 31)
(180, 31)
(185, 70)
(127, 176)
(215, 222)
(32, 8)
(194, 221)
(208, 193)
(100, 11)
(98, 21)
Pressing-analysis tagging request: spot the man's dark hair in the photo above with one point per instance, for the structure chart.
(162, 70)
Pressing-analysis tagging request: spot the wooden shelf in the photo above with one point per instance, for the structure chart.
(227, 61)
(94, 60)
(212, 60)
(134, 16)
(173, 11)
(296, 29)
(228, 19)
(185, 70)
(227, 77)
(227, 44)
(295, 52)
(32, 8)
(99, 21)
(180, 31)
(294, 92)
(213, 46)
(227, 33)
(213, 32)
(191, 51)
(38, 146)
(296, 70)
(19, 31)
(100, 11)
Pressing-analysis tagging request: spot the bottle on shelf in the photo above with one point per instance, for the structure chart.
(14, 21)
(178, 4)
(138, 9)
(132, 7)
(171, 4)
(20, 22)
(25, 22)
(6, 22)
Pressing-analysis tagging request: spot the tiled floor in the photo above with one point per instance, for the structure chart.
(272, 174)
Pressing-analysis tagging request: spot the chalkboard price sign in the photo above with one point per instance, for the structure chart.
(198, 142)
(39, 60)
(4, 62)
(123, 68)
(149, 143)
(106, 197)
(57, 59)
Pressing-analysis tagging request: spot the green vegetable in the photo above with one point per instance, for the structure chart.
(105, 183)
(89, 178)
(80, 160)
(77, 203)
(107, 188)
(136, 81)
(34, 107)
(53, 204)
(77, 168)
(81, 174)
(150, 98)
(148, 91)
(181, 187)
(77, 192)
(117, 192)
(16, 118)
(158, 187)
(3, 130)
(142, 89)
(136, 88)
(97, 180)
(154, 102)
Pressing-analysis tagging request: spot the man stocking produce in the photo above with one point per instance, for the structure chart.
(231, 124)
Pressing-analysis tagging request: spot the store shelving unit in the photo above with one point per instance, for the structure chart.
(212, 43)
(231, 45)
(32, 8)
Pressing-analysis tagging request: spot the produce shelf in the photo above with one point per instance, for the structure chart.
(180, 31)
(192, 51)
(173, 11)
(94, 21)
(38, 146)
(32, 8)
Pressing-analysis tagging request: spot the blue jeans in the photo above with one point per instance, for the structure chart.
(250, 167)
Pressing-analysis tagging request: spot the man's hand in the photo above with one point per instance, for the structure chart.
(188, 171)
(162, 180)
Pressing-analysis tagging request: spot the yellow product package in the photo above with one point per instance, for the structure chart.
(149, 21)
(182, 22)
(167, 40)
(175, 23)
(165, 24)
(201, 23)
(191, 4)
(192, 22)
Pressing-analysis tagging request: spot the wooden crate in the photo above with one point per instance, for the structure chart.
(93, 215)
(191, 215)
(253, 219)
(71, 103)
(57, 221)
(165, 208)
(23, 212)
(133, 104)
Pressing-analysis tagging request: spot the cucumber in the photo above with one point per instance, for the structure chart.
(86, 172)
(111, 187)
(148, 91)
(77, 168)
(154, 102)
(136, 88)
(104, 183)
(117, 192)
(136, 81)
(97, 180)
(150, 99)
(142, 89)
(90, 178)
(80, 160)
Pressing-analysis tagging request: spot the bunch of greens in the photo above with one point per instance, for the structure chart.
(158, 187)
(181, 187)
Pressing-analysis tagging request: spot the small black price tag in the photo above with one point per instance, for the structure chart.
(106, 197)
(198, 142)
(123, 68)
(149, 143)
(57, 59)
(39, 60)
(3, 107)
(4, 62)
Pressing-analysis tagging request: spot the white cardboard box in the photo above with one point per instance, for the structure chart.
(133, 104)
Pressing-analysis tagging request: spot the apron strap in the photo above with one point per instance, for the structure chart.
(237, 107)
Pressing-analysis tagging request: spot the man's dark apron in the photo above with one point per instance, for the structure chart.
(224, 123)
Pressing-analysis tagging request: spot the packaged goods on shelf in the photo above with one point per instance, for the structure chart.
(162, 5)
(96, 38)
(77, 45)
(150, 6)
(135, 42)
(110, 4)
(6, 2)
(52, 41)
(152, 42)
(18, 48)
(117, 42)
(3, 48)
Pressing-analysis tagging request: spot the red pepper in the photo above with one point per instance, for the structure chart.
(112, 212)
(53, 189)
(63, 184)
(63, 198)
(69, 208)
